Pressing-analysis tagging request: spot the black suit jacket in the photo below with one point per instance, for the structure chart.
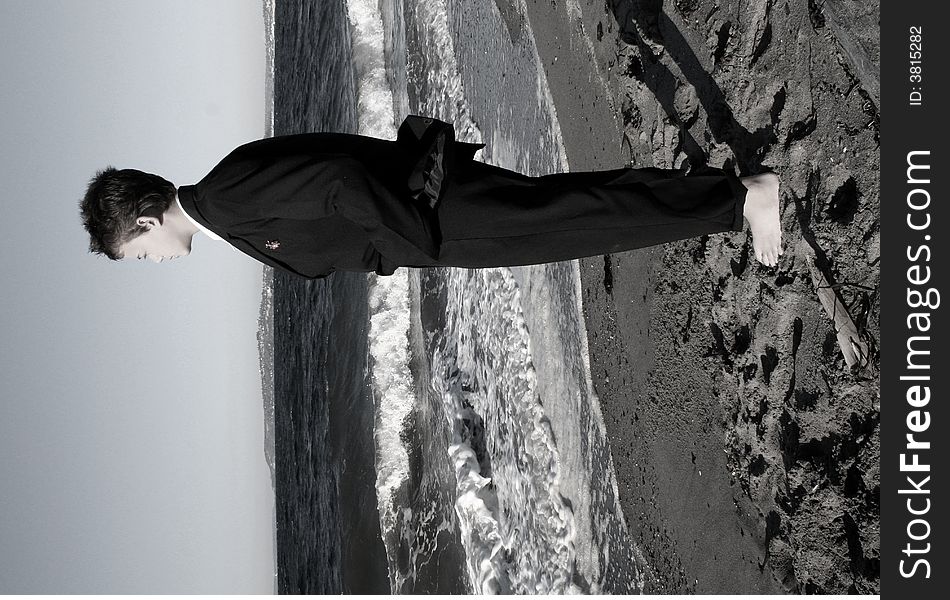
(316, 203)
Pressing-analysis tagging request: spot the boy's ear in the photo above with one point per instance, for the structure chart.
(148, 221)
(150, 218)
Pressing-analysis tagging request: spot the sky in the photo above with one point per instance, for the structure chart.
(131, 427)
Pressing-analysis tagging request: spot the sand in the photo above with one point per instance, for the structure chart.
(746, 450)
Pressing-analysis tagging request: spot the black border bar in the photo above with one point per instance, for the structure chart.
(914, 222)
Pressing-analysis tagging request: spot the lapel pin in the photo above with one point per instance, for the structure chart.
(272, 244)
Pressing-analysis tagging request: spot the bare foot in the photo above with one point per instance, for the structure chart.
(761, 211)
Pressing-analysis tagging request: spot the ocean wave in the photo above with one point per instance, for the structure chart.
(534, 495)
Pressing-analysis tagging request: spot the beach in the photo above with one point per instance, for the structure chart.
(746, 451)
(674, 419)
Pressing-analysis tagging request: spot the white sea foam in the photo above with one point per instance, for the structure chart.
(520, 531)
(374, 95)
(447, 94)
(516, 528)
(389, 306)
(393, 388)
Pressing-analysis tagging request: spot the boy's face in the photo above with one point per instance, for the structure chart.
(161, 242)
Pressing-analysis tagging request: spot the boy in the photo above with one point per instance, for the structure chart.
(312, 204)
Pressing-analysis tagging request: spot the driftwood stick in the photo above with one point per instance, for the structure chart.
(849, 340)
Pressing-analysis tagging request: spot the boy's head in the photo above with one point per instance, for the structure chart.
(131, 214)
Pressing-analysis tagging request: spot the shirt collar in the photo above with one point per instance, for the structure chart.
(201, 227)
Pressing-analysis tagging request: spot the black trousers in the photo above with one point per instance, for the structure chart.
(490, 216)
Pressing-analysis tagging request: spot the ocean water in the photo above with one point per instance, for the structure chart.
(435, 430)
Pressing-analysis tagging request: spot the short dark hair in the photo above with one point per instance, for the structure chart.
(115, 200)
